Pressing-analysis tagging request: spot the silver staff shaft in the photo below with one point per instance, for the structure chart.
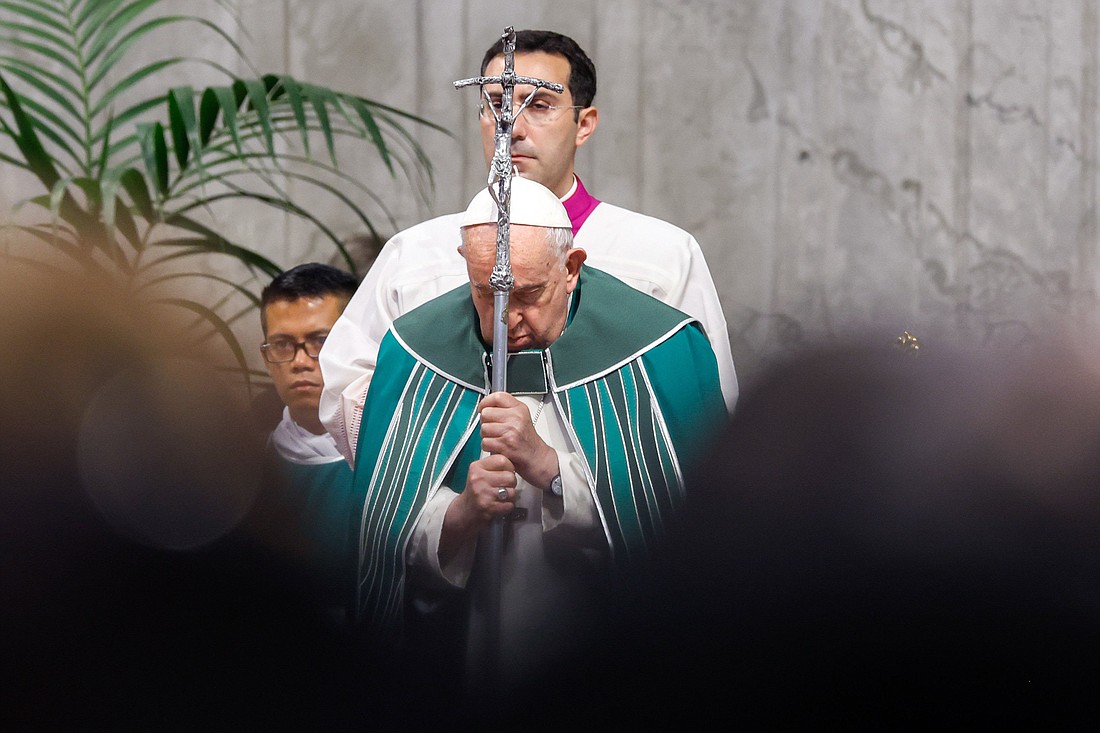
(502, 282)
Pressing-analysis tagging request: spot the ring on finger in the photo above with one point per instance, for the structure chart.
(502, 494)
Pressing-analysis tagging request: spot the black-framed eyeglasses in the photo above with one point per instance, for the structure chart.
(283, 350)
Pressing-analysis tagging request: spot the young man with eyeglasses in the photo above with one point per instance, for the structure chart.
(297, 311)
(422, 262)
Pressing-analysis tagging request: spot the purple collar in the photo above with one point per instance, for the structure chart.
(579, 206)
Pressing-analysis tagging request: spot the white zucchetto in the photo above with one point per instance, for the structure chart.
(532, 204)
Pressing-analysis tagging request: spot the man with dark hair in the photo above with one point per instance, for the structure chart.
(421, 263)
(582, 72)
(298, 309)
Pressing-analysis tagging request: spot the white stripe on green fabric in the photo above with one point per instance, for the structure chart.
(622, 485)
(394, 470)
(428, 407)
(585, 443)
(381, 468)
(379, 511)
(648, 485)
(426, 404)
(420, 432)
(635, 488)
(665, 458)
(663, 440)
(580, 419)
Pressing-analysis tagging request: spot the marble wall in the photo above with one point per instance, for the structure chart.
(885, 165)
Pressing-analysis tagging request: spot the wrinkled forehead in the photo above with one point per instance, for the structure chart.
(531, 252)
(525, 241)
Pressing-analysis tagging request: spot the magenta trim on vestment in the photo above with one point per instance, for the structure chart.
(579, 206)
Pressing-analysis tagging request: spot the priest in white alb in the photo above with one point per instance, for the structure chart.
(421, 263)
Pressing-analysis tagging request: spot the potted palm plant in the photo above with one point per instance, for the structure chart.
(123, 183)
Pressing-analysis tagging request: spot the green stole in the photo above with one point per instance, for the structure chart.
(635, 379)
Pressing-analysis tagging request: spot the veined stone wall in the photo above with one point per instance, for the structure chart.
(884, 165)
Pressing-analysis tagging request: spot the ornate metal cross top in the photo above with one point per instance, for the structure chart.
(500, 170)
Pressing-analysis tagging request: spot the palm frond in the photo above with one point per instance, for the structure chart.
(127, 180)
(240, 289)
(136, 187)
(217, 322)
(276, 202)
(54, 52)
(108, 43)
(211, 242)
(66, 243)
(26, 139)
(42, 11)
(154, 151)
(183, 124)
(330, 189)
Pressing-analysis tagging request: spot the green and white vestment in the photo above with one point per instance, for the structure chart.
(636, 380)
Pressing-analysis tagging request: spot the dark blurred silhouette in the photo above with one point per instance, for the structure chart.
(145, 583)
(877, 540)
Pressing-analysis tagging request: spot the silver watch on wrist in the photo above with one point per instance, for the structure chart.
(555, 485)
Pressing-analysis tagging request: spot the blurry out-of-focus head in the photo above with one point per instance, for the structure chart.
(106, 404)
(882, 536)
(146, 564)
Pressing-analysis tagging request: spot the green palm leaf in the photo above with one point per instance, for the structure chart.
(253, 299)
(26, 139)
(213, 243)
(129, 181)
(219, 325)
(154, 150)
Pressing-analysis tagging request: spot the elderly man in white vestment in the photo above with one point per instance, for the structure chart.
(421, 263)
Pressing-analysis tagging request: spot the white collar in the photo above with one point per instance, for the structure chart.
(297, 445)
(572, 190)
